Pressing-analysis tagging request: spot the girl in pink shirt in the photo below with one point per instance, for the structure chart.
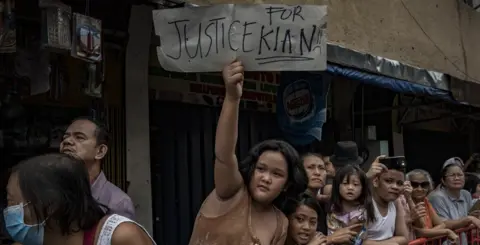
(351, 200)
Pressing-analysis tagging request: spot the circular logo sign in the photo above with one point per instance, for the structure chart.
(298, 100)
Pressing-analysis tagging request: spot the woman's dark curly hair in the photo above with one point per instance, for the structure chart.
(365, 198)
(297, 177)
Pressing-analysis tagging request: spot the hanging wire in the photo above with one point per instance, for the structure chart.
(436, 45)
(87, 7)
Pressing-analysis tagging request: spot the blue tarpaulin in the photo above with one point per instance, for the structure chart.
(396, 85)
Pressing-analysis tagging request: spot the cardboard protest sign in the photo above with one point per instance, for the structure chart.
(266, 37)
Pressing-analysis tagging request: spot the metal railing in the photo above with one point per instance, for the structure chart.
(471, 234)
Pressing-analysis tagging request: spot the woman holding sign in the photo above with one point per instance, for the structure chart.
(240, 210)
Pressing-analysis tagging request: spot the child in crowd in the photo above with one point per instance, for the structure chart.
(242, 209)
(344, 153)
(303, 216)
(389, 227)
(351, 201)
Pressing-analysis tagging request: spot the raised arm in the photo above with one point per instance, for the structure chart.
(228, 180)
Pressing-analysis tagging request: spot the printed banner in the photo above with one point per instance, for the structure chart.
(265, 37)
(301, 105)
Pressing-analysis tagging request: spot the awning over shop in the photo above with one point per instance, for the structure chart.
(387, 67)
(396, 85)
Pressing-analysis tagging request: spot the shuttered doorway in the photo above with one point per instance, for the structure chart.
(428, 150)
(182, 154)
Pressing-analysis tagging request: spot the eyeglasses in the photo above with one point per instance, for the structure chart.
(455, 175)
(424, 185)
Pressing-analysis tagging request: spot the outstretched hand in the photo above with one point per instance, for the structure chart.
(233, 79)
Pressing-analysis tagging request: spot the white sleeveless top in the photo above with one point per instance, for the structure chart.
(109, 227)
(384, 227)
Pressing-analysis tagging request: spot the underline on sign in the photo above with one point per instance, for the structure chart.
(285, 60)
(284, 56)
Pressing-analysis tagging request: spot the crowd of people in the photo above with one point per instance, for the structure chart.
(276, 196)
(272, 197)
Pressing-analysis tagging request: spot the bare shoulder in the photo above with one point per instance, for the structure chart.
(131, 234)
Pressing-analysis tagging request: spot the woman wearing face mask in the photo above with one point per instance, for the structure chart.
(50, 203)
(422, 184)
(240, 210)
(450, 201)
(303, 216)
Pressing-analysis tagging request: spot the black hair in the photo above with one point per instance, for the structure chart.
(309, 154)
(313, 154)
(471, 183)
(58, 189)
(365, 198)
(297, 180)
(292, 204)
(101, 131)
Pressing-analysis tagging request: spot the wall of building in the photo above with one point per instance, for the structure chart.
(440, 35)
(137, 114)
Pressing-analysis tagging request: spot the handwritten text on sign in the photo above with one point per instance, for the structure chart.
(266, 37)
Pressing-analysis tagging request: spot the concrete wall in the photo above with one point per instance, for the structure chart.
(440, 35)
(137, 114)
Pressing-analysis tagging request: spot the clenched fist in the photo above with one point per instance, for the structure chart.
(233, 79)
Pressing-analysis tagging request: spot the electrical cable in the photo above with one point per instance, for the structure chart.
(436, 46)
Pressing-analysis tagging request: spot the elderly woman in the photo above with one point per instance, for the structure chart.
(451, 202)
(422, 184)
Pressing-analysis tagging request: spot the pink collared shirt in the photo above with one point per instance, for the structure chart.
(113, 197)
